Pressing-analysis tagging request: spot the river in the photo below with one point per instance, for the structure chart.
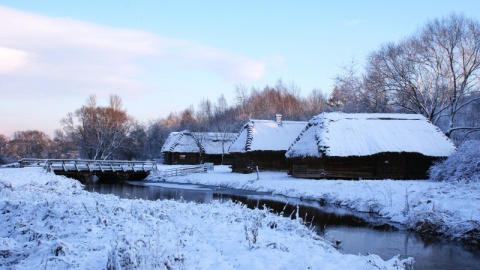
(352, 232)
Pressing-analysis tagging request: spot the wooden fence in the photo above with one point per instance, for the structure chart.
(202, 168)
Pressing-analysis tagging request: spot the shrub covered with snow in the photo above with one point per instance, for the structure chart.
(461, 166)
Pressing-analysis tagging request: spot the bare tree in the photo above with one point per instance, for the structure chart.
(315, 103)
(435, 72)
(3, 144)
(282, 98)
(29, 144)
(337, 100)
(157, 133)
(205, 112)
(222, 106)
(99, 131)
(135, 144)
(63, 146)
(225, 138)
(241, 99)
(4, 158)
(374, 98)
(348, 89)
(187, 119)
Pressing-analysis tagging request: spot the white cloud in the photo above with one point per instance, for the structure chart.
(11, 59)
(64, 56)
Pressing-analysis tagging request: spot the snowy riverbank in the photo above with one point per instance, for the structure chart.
(447, 209)
(50, 222)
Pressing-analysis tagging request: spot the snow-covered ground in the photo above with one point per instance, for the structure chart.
(450, 209)
(50, 222)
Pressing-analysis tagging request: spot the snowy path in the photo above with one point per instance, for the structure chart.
(50, 222)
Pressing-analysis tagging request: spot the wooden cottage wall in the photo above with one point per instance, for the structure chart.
(307, 168)
(240, 163)
(217, 159)
(379, 166)
(270, 160)
(195, 158)
(168, 158)
(228, 159)
(417, 166)
(265, 160)
(185, 158)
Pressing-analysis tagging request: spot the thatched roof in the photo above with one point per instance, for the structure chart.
(342, 135)
(266, 135)
(198, 142)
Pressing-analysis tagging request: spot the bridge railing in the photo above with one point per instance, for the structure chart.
(99, 165)
(32, 162)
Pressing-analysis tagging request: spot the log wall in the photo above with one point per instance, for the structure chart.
(265, 160)
(379, 166)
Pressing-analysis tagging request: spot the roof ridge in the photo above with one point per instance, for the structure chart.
(199, 144)
(248, 143)
(176, 142)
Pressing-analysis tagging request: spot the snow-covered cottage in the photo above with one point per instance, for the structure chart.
(263, 143)
(372, 146)
(187, 147)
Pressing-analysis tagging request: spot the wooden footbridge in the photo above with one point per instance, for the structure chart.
(81, 169)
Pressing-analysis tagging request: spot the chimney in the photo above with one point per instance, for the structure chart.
(278, 117)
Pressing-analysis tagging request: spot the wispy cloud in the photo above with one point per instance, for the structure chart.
(65, 56)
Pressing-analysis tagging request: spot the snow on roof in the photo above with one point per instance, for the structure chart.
(198, 142)
(342, 135)
(266, 135)
(215, 142)
(169, 143)
(181, 142)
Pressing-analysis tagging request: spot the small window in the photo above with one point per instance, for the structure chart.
(181, 157)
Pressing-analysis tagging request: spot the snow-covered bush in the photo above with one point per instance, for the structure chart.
(461, 166)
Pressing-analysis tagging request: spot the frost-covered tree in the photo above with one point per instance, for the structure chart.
(135, 144)
(374, 97)
(347, 91)
(435, 72)
(461, 166)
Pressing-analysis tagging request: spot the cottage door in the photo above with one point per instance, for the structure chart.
(390, 166)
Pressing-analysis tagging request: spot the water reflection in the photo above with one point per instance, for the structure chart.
(428, 255)
(151, 192)
(356, 233)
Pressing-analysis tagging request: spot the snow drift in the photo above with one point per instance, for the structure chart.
(50, 222)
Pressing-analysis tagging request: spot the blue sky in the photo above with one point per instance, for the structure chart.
(163, 56)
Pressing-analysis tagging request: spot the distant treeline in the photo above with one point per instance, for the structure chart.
(434, 72)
